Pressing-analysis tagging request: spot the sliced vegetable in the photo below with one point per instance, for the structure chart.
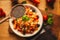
(33, 10)
(38, 25)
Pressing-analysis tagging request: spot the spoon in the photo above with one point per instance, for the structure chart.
(16, 12)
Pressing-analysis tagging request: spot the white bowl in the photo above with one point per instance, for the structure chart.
(40, 22)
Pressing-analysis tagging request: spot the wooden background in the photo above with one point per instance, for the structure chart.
(6, 6)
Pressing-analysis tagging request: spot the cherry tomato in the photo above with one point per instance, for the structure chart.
(45, 17)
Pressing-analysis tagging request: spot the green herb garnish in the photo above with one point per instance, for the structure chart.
(50, 15)
(25, 18)
(50, 21)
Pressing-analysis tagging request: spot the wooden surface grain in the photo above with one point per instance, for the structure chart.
(4, 27)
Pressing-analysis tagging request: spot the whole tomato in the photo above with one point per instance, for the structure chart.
(2, 13)
(36, 1)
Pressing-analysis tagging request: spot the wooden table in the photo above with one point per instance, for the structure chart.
(4, 27)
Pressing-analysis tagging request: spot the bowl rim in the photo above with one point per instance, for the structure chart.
(18, 33)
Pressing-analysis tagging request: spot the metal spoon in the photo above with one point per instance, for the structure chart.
(16, 12)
